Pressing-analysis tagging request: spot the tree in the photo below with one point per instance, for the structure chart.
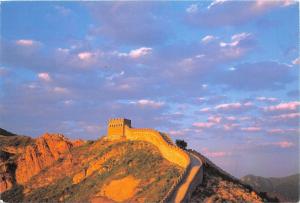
(181, 143)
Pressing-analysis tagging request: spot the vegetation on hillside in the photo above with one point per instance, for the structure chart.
(141, 160)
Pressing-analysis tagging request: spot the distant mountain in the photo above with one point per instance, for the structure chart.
(6, 133)
(286, 189)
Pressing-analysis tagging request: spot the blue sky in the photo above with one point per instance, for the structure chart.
(222, 75)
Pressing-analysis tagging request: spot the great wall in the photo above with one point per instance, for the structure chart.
(181, 190)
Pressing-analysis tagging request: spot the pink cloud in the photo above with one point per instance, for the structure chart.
(230, 126)
(251, 129)
(26, 42)
(293, 105)
(215, 119)
(231, 118)
(287, 116)
(276, 131)
(203, 124)
(284, 144)
(205, 110)
(215, 154)
(44, 76)
(283, 131)
(296, 61)
(60, 90)
(85, 56)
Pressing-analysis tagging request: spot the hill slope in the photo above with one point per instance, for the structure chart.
(52, 168)
(285, 188)
(94, 171)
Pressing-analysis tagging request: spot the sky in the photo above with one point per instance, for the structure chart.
(222, 75)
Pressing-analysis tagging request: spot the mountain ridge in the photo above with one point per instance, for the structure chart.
(66, 170)
(284, 188)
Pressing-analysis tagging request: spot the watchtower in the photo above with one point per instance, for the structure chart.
(116, 127)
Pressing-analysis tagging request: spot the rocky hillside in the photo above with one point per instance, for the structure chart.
(52, 168)
(286, 189)
(219, 186)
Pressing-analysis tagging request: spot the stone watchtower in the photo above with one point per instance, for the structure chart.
(116, 128)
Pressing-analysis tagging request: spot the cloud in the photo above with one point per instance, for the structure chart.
(137, 53)
(85, 56)
(234, 107)
(211, 121)
(27, 42)
(208, 38)
(236, 39)
(281, 131)
(63, 10)
(267, 99)
(215, 154)
(148, 103)
(60, 90)
(229, 106)
(268, 75)
(287, 116)
(203, 124)
(124, 22)
(216, 13)
(293, 105)
(251, 129)
(215, 2)
(192, 8)
(296, 61)
(283, 144)
(44, 76)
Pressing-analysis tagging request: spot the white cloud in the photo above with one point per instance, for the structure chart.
(208, 38)
(229, 106)
(148, 103)
(233, 106)
(63, 10)
(44, 76)
(215, 2)
(236, 39)
(137, 53)
(193, 8)
(267, 99)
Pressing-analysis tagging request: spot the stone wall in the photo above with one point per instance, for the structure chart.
(169, 151)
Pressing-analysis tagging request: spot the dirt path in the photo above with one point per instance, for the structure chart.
(184, 189)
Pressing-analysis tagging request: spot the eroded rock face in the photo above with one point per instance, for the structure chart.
(47, 149)
(6, 171)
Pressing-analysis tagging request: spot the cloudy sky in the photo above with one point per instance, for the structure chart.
(221, 75)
